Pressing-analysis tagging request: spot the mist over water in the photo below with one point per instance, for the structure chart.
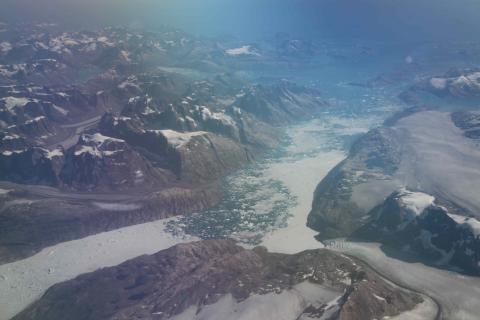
(379, 20)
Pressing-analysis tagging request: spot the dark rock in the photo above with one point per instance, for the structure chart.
(198, 274)
(432, 233)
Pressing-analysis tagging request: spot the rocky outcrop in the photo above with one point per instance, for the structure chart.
(199, 112)
(281, 103)
(400, 74)
(44, 115)
(408, 153)
(412, 221)
(30, 223)
(455, 84)
(469, 122)
(373, 159)
(165, 139)
(39, 72)
(200, 156)
(98, 162)
(31, 165)
(29, 117)
(295, 48)
(193, 156)
(202, 142)
(216, 278)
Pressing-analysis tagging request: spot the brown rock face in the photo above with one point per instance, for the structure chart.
(198, 274)
(98, 162)
(206, 157)
(32, 225)
(334, 212)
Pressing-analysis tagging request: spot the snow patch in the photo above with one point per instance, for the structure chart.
(14, 102)
(116, 120)
(99, 139)
(237, 111)
(415, 202)
(438, 83)
(4, 191)
(243, 50)
(36, 119)
(425, 310)
(5, 47)
(218, 116)
(11, 152)
(104, 40)
(469, 222)
(10, 137)
(462, 81)
(129, 82)
(379, 298)
(117, 206)
(179, 139)
(125, 55)
(91, 47)
(88, 149)
(60, 109)
(287, 305)
(54, 153)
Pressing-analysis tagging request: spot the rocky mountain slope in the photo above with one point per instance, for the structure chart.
(412, 221)
(370, 166)
(455, 84)
(455, 90)
(216, 279)
(427, 151)
(469, 122)
(153, 119)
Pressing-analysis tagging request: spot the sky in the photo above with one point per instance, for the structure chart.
(402, 20)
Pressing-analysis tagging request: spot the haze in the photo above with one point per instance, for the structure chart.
(408, 20)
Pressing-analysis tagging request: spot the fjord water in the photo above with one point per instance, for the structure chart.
(267, 203)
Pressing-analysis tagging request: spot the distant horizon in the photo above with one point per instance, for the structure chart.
(195, 159)
(378, 20)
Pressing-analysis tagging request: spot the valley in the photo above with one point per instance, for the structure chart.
(457, 294)
(181, 177)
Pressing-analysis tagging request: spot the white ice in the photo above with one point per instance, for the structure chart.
(415, 202)
(469, 222)
(459, 295)
(24, 281)
(178, 139)
(287, 305)
(243, 50)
